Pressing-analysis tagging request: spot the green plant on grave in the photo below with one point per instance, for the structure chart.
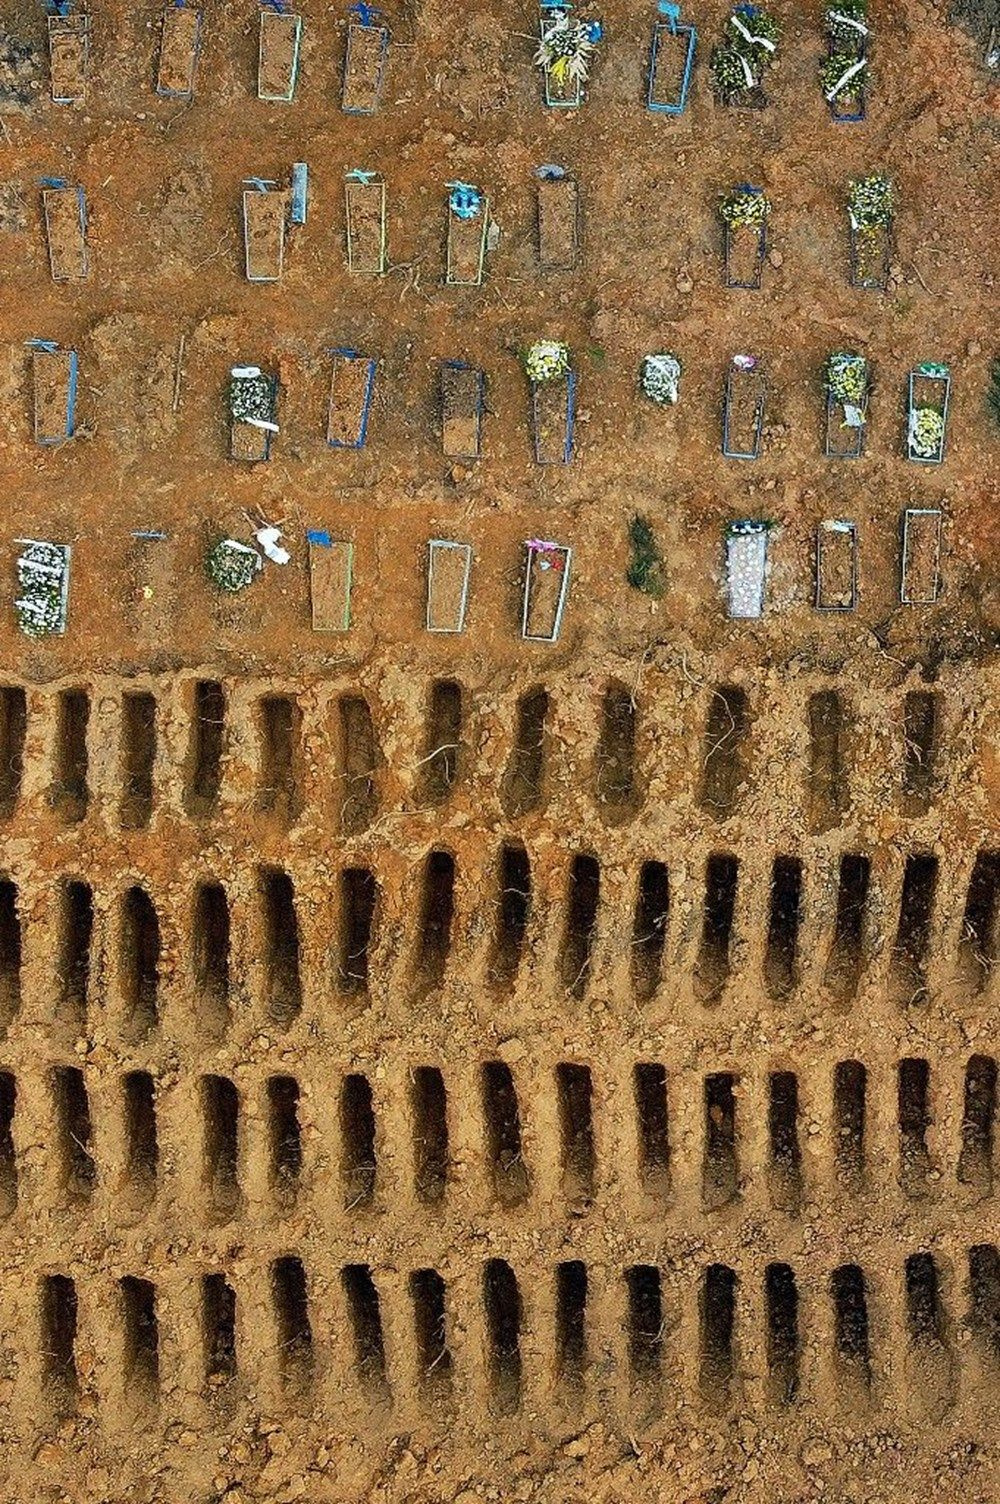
(232, 566)
(645, 567)
(993, 392)
(745, 206)
(546, 360)
(870, 201)
(839, 29)
(847, 378)
(831, 74)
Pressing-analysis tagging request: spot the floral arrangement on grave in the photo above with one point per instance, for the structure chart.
(232, 566)
(659, 378)
(566, 46)
(738, 63)
(546, 360)
(926, 432)
(870, 203)
(745, 207)
(251, 396)
(40, 608)
(847, 383)
(465, 201)
(842, 74)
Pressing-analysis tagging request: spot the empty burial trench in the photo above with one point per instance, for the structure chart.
(8, 1160)
(781, 1300)
(924, 1316)
(205, 748)
(218, 1327)
(284, 1134)
(649, 931)
(359, 761)
(502, 1311)
(142, 1152)
(720, 1172)
(850, 1080)
(429, 1106)
(139, 962)
(76, 930)
(615, 775)
(73, 1132)
(279, 733)
(502, 1122)
(717, 1310)
(650, 1087)
(440, 762)
(291, 1316)
(781, 953)
(10, 955)
(358, 1163)
(713, 964)
(364, 1313)
(907, 963)
(523, 784)
(210, 948)
(138, 757)
(513, 909)
(574, 1091)
(846, 957)
(783, 1135)
(723, 756)
(571, 1322)
(849, 1295)
(59, 1328)
(975, 1161)
(977, 946)
(920, 730)
(430, 1328)
(914, 1120)
(645, 1322)
(437, 912)
(282, 975)
(13, 729)
(220, 1114)
(582, 900)
(827, 793)
(358, 902)
(141, 1336)
(984, 1292)
(69, 794)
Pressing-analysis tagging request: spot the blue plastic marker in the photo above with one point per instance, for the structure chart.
(300, 192)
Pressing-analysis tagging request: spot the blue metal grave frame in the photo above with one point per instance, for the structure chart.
(50, 347)
(185, 93)
(346, 353)
(279, 8)
(567, 453)
(928, 371)
(366, 15)
(761, 380)
(60, 184)
(671, 27)
(464, 365)
(754, 284)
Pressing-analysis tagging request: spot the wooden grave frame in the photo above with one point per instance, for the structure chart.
(836, 565)
(180, 48)
(364, 211)
(920, 556)
(65, 212)
(463, 390)
(265, 222)
(449, 567)
(69, 57)
(557, 559)
(352, 386)
(558, 222)
(331, 581)
(364, 68)
(279, 48)
(55, 374)
(755, 382)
